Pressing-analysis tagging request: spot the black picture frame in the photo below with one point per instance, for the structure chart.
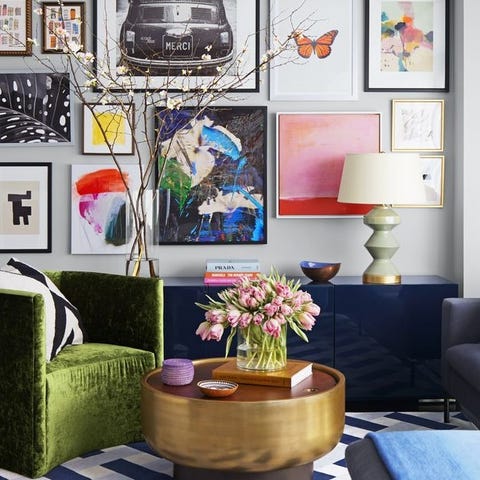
(168, 72)
(69, 16)
(394, 65)
(213, 188)
(26, 207)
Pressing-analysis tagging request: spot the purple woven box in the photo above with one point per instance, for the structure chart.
(177, 371)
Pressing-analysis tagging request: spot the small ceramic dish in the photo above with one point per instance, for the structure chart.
(217, 388)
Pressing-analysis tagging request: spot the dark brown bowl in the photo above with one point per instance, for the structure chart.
(319, 271)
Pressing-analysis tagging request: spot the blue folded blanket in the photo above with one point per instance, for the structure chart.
(429, 455)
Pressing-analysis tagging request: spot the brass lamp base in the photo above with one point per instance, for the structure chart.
(381, 246)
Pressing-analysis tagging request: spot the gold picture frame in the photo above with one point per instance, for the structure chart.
(418, 125)
(15, 27)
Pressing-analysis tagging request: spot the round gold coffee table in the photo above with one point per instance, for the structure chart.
(259, 432)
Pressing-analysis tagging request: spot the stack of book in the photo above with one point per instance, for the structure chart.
(295, 372)
(228, 271)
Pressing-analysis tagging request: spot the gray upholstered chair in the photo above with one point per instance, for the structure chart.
(88, 396)
(461, 355)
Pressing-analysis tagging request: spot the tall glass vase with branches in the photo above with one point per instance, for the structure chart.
(95, 81)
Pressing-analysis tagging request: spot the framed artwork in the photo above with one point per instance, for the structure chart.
(406, 45)
(108, 124)
(183, 46)
(100, 215)
(321, 65)
(15, 27)
(68, 17)
(211, 176)
(433, 171)
(311, 149)
(418, 125)
(35, 109)
(25, 207)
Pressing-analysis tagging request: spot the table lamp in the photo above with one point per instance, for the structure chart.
(382, 179)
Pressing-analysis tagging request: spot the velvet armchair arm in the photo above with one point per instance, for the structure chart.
(22, 373)
(117, 309)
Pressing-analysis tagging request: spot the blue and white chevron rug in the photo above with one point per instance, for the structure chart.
(137, 461)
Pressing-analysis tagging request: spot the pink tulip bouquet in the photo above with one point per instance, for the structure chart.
(260, 311)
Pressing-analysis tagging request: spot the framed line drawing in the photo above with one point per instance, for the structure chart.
(15, 27)
(418, 125)
(108, 124)
(70, 17)
(406, 45)
(311, 149)
(25, 207)
(321, 65)
(99, 208)
(433, 175)
(211, 176)
(181, 46)
(35, 109)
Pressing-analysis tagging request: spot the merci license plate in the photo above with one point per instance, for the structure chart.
(177, 46)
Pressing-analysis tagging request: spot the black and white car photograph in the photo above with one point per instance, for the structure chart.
(169, 36)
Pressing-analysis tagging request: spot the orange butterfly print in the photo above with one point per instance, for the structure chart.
(321, 46)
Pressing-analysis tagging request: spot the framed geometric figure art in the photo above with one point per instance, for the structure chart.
(25, 207)
(311, 149)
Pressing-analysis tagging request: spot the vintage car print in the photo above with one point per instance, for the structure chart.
(168, 36)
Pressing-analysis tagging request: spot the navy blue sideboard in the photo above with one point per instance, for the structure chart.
(385, 339)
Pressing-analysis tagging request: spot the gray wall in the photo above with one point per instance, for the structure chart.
(426, 235)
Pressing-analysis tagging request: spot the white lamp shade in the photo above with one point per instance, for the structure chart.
(382, 178)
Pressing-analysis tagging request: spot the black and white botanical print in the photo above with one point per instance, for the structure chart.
(34, 108)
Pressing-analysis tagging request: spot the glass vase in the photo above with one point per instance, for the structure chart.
(258, 351)
(141, 267)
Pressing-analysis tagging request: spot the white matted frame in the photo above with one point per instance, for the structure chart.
(243, 17)
(25, 207)
(406, 45)
(110, 120)
(418, 125)
(433, 176)
(321, 65)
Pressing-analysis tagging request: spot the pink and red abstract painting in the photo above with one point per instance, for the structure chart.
(311, 149)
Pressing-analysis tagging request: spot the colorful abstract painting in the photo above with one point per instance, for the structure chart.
(406, 45)
(311, 149)
(407, 37)
(100, 219)
(211, 176)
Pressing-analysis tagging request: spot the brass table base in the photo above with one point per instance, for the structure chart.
(301, 472)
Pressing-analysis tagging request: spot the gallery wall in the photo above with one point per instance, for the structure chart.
(425, 235)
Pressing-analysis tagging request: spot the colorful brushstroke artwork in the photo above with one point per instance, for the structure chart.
(311, 149)
(407, 37)
(100, 219)
(211, 171)
(35, 108)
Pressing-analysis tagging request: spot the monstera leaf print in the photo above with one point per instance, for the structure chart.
(34, 108)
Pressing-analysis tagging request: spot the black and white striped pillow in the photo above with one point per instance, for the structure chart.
(63, 322)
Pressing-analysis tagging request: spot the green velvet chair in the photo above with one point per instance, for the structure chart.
(88, 396)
